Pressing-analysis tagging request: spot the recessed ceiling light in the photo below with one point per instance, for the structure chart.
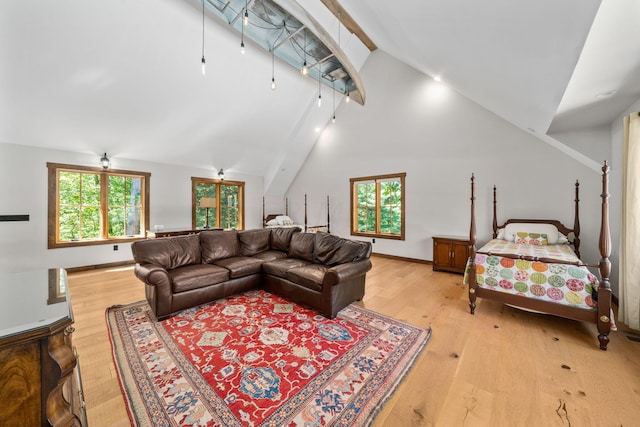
(437, 78)
(606, 94)
(318, 129)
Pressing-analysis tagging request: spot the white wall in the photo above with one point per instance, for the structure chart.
(594, 143)
(439, 138)
(23, 190)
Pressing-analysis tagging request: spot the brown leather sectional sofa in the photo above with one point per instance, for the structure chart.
(320, 270)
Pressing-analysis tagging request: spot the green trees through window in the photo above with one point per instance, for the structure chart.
(227, 199)
(377, 206)
(90, 205)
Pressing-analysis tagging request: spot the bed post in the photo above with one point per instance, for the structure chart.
(604, 289)
(472, 251)
(305, 213)
(576, 222)
(495, 216)
(263, 217)
(328, 217)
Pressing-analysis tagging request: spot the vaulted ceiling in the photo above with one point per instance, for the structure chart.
(125, 76)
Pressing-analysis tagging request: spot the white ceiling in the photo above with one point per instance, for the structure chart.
(124, 76)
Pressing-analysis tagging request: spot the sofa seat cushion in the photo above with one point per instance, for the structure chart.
(310, 276)
(240, 266)
(280, 267)
(270, 255)
(197, 276)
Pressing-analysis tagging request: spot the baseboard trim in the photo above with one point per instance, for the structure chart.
(402, 258)
(99, 266)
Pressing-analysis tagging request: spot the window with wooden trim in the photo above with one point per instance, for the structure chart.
(94, 206)
(377, 206)
(225, 200)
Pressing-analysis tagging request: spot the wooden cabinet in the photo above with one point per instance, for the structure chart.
(169, 232)
(39, 373)
(450, 253)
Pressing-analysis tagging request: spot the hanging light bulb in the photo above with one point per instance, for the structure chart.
(245, 20)
(333, 94)
(204, 65)
(242, 41)
(305, 70)
(348, 97)
(319, 87)
(273, 70)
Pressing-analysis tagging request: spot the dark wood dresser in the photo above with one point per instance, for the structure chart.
(168, 232)
(450, 253)
(39, 372)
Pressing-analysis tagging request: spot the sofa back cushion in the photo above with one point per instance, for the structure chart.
(325, 247)
(332, 250)
(218, 244)
(254, 241)
(302, 246)
(281, 238)
(168, 252)
(361, 250)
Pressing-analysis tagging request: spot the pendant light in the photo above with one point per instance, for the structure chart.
(333, 120)
(273, 70)
(204, 64)
(305, 70)
(319, 87)
(348, 98)
(242, 33)
(245, 20)
(105, 162)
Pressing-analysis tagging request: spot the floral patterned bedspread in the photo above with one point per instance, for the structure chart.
(559, 283)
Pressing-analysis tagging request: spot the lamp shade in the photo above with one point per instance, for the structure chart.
(207, 202)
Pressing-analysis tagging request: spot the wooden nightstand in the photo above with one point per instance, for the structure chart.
(450, 253)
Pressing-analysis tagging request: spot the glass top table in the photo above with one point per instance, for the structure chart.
(33, 300)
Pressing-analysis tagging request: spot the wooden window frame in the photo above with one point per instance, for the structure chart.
(218, 183)
(354, 201)
(53, 204)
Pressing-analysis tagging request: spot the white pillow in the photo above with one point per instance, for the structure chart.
(284, 220)
(549, 229)
(562, 239)
(500, 234)
(272, 222)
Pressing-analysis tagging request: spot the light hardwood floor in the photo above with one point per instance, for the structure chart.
(500, 367)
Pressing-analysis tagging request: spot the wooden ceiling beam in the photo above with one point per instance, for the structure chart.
(348, 22)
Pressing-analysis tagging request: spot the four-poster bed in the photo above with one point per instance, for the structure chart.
(530, 264)
(280, 220)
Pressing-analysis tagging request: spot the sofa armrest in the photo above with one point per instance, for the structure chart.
(343, 272)
(152, 274)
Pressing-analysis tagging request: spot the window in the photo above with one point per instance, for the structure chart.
(92, 206)
(227, 198)
(377, 206)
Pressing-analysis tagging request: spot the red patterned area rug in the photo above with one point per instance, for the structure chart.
(258, 360)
